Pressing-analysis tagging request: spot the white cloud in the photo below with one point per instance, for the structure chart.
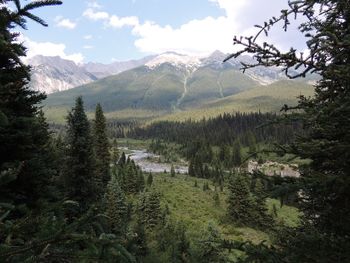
(117, 22)
(94, 4)
(88, 37)
(196, 36)
(90, 13)
(111, 20)
(49, 49)
(88, 47)
(201, 36)
(64, 22)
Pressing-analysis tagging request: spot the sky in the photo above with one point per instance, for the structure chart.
(117, 30)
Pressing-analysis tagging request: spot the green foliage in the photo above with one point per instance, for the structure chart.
(236, 154)
(225, 155)
(240, 200)
(80, 179)
(101, 148)
(206, 186)
(210, 249)
(116, 207)
(130, 176)
(23, 130)
(122, 160)
(35, 225)
(324, 186)
(150, 179)
(138, 243)
(115, 152)
(172, 171)
(261, 218)
(172, 240)
(149, 209)
(51, 237)
(216, 198)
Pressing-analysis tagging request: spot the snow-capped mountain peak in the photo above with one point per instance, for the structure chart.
(191, 63)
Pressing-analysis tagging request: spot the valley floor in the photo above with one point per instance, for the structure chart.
(196, 208)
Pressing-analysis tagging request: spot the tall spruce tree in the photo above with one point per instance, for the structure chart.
(150, 179)
(116, 207)
(172, 171)
(24, 173)
(152, 210)
(261, 216)
(115, 152)
(101, 147)
(325, 183)
(80, 179)
(240, 200)
(236, 154)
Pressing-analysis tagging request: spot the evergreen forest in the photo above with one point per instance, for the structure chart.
(236, 187)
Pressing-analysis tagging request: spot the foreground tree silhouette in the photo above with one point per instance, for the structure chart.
(23, 131)
(325, 183)
(34, 225)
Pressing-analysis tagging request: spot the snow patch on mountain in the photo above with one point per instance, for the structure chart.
(190, 63)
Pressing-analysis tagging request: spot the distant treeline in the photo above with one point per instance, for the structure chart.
(223, 130)
(115, 129)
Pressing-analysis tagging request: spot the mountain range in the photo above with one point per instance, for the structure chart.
(54, 74)
(172, 83)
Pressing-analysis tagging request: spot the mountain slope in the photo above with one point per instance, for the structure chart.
(54, 74)
(161, 87)
(269, 98)
(174, 83)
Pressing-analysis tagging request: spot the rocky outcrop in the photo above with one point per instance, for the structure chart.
(270, 168)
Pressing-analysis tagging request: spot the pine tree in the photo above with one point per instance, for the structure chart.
(172, 171)
(139, 241)
(152, 209)
(150, 179)
(80, 180)
(23, 131)
(191, 171)
(206, 172)
(251, 140)
(115, 152)
(131, 179)
(122, 160)
(116, 208)
(225, 156)
(101, 148)
(140, 181)
(240, 200)
(236, 154)
(262, 217)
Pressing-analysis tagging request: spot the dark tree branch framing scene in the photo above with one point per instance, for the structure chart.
(180, 153)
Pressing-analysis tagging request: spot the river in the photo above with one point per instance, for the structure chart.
(148, 162)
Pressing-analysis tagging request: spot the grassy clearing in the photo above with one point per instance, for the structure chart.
(196, 208)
